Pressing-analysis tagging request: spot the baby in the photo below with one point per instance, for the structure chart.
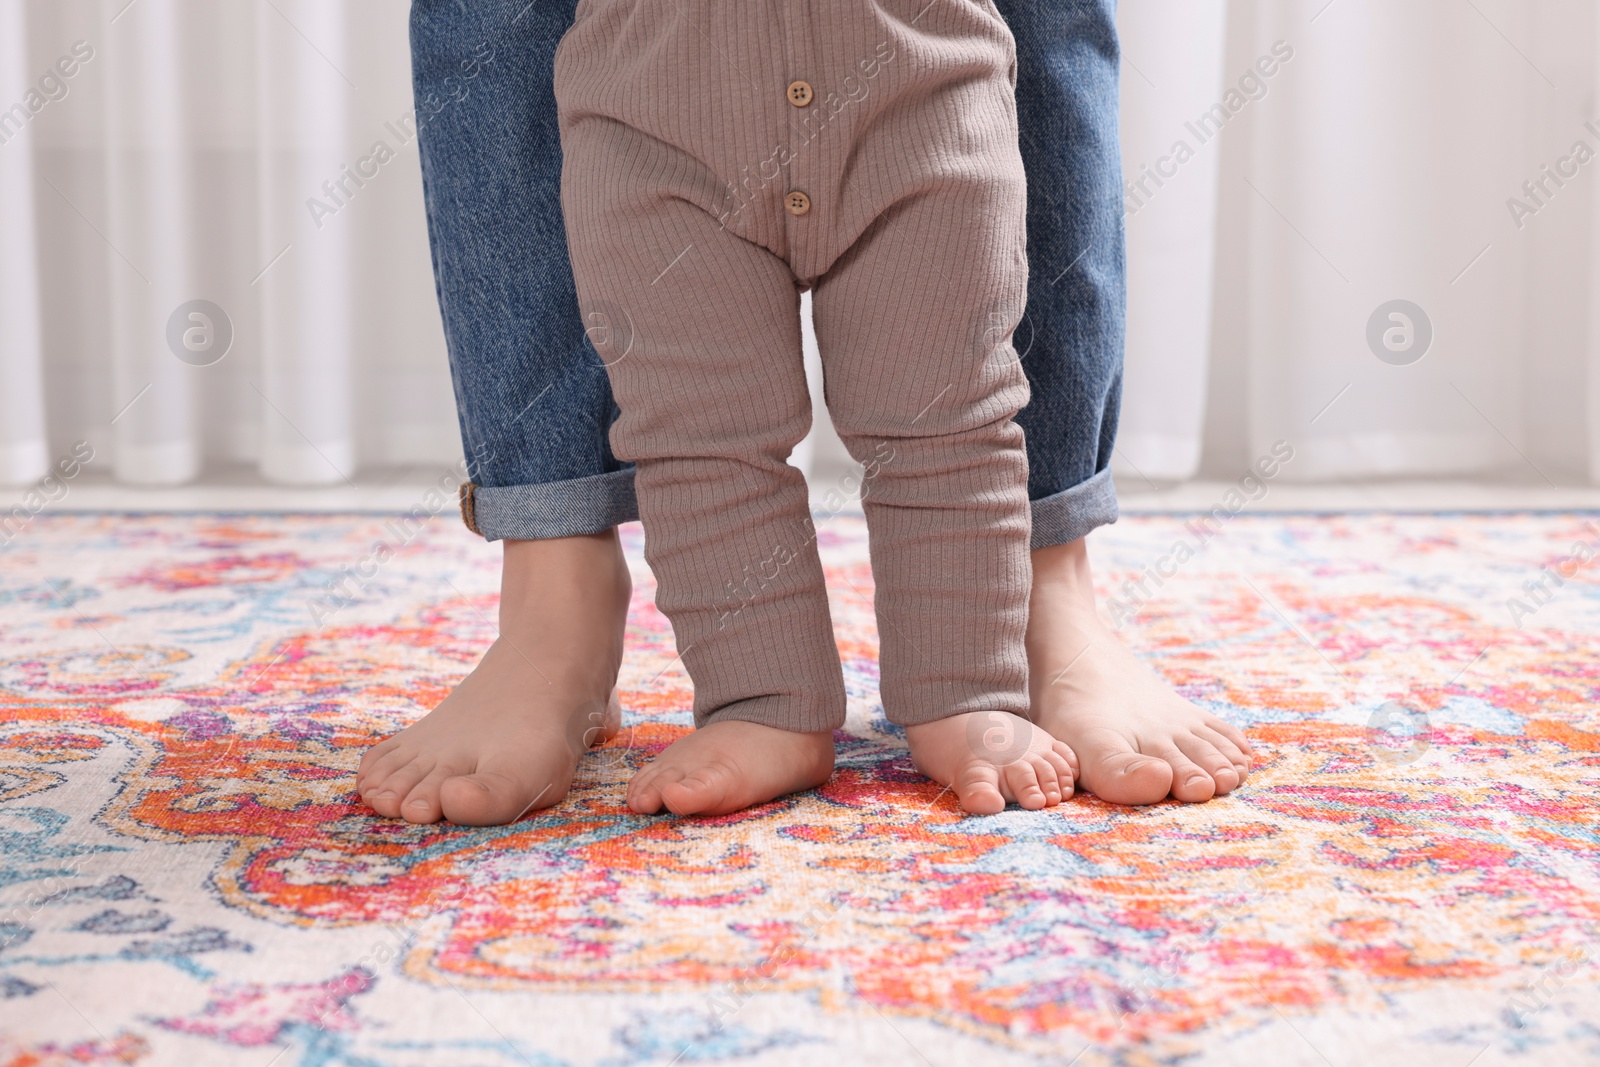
(720, 158)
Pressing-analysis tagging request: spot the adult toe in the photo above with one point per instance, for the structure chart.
(370, 758)
(1229, 750)
(493, 798)
(384, 793)
(1113, 770)
(1209, 758)
(422, 802)
(1191, 783)
(376, 773)
(1233, 734)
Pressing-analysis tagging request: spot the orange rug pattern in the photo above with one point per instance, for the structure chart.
(1412, 873)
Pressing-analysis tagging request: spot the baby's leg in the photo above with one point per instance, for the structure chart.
(700, 331)
(914, 325)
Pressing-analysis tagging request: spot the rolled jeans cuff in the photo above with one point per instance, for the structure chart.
(1066, 516)
(570, 508)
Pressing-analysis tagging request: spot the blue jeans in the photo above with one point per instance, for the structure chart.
(532, 395)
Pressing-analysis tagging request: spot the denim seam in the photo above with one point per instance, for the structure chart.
(1066, 516)
(537, 512)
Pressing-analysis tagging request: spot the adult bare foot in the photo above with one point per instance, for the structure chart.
(730, 765)
(1137, 741)
(508, 738)
(991, 758)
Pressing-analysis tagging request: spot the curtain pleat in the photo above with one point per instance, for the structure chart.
(150, 230)
(306, 179)
(24, 456)
(194, 272)
(197, 268)
(1172, 75)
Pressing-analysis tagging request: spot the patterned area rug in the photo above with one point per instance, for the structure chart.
(1411, 876)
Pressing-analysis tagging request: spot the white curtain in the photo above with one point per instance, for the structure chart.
(1376, 163)
(169, 295)
(174, 165)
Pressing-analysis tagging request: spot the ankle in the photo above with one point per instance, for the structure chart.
(588, 570)
(1063, 585)
(564, 606)
(1065, 564)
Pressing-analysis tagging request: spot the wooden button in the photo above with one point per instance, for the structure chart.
(797, 203)
(800, 93)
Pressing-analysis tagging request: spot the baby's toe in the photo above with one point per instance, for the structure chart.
(644, 791)
(1064, 759)
(1065, 764)
(701, 790)
(1022, 781)
(1048, 776)
(977, 789)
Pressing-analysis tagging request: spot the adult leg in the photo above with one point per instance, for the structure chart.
(1137, 741)
(535, 407)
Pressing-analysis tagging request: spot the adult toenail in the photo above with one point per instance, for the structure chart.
(1193, 778)
(383, 794)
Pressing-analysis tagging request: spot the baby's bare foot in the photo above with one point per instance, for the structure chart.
(1137, 741)
(730, 765)
(991, 758)
(507, 740)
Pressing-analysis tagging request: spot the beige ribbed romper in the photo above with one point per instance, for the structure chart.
(722, 156)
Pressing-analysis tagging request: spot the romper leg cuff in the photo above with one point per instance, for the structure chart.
(1066, 516)
(569, 508)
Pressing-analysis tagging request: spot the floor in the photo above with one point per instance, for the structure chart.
(1411, 876)
(241, 489)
